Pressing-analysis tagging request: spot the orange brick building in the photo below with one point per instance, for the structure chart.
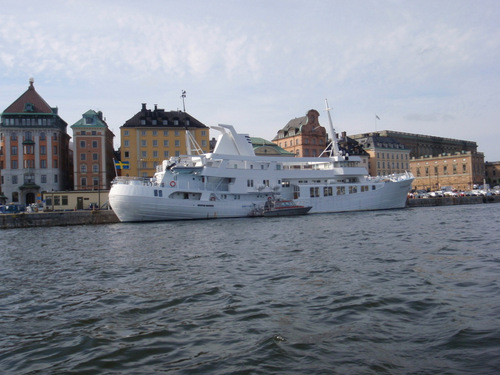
(303, 136)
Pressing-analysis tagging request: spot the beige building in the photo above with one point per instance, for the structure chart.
(492, 173)
(461, 171)
(75, 200)
(386, 155)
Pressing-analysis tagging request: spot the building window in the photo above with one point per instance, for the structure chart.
(13, 150)
(176, 133)
(56, 178)
(14, 180)
(144, 154)
(144, 143)
(155, 143)
(165, 143)
(166, 154)
(55, 150)
(43, 163)
(177, 143)
(83, 156)
(95, 168)
(165, 132)
(43, 150)
(126, 154)
(82, 144)
(94, 144)
(95, 156)
(54, 163)
(43, 178)
(13, 164)
(83, 181)
(126, 143)
(126, 133)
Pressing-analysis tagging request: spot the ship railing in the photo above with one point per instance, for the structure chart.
(133, 181)
(394, 177)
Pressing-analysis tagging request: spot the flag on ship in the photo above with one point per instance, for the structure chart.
(121, 164)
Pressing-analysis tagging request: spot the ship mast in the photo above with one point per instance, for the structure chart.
(335, 146)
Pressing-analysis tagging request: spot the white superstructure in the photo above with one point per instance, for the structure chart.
(232, 181)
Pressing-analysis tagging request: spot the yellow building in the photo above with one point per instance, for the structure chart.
(152, 136)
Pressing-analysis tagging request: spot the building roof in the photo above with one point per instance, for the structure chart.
(262, 146)
(161, 118)
(376, 141)
(91, 119)
(29, 102)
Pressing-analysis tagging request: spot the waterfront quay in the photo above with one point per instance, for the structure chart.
(451, 201)
(57, 218)
(95, 217)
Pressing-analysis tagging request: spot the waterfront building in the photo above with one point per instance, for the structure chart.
(75, 200)
(386, 155)
(349, 146)
(303, 136)
(460, 170)
(92, 152)
(151, 136)
(424, 145)
(34, 149)
(492, 173)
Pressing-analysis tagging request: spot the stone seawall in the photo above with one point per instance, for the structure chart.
(60, 218)
(449, 201)
(63, 218)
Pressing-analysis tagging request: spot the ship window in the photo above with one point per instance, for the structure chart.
(314, 192)
(353, 189)
(340, 190)
(373, 187)
(327, 191)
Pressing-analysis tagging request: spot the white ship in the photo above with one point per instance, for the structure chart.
(233, 182)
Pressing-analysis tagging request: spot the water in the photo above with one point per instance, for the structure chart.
(412, 291)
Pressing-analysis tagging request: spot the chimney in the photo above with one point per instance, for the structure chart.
(143, 107)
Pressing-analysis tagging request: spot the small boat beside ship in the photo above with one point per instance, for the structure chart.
(232, 181)
(273, 208)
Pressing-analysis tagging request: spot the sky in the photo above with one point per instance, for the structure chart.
(426, 67)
